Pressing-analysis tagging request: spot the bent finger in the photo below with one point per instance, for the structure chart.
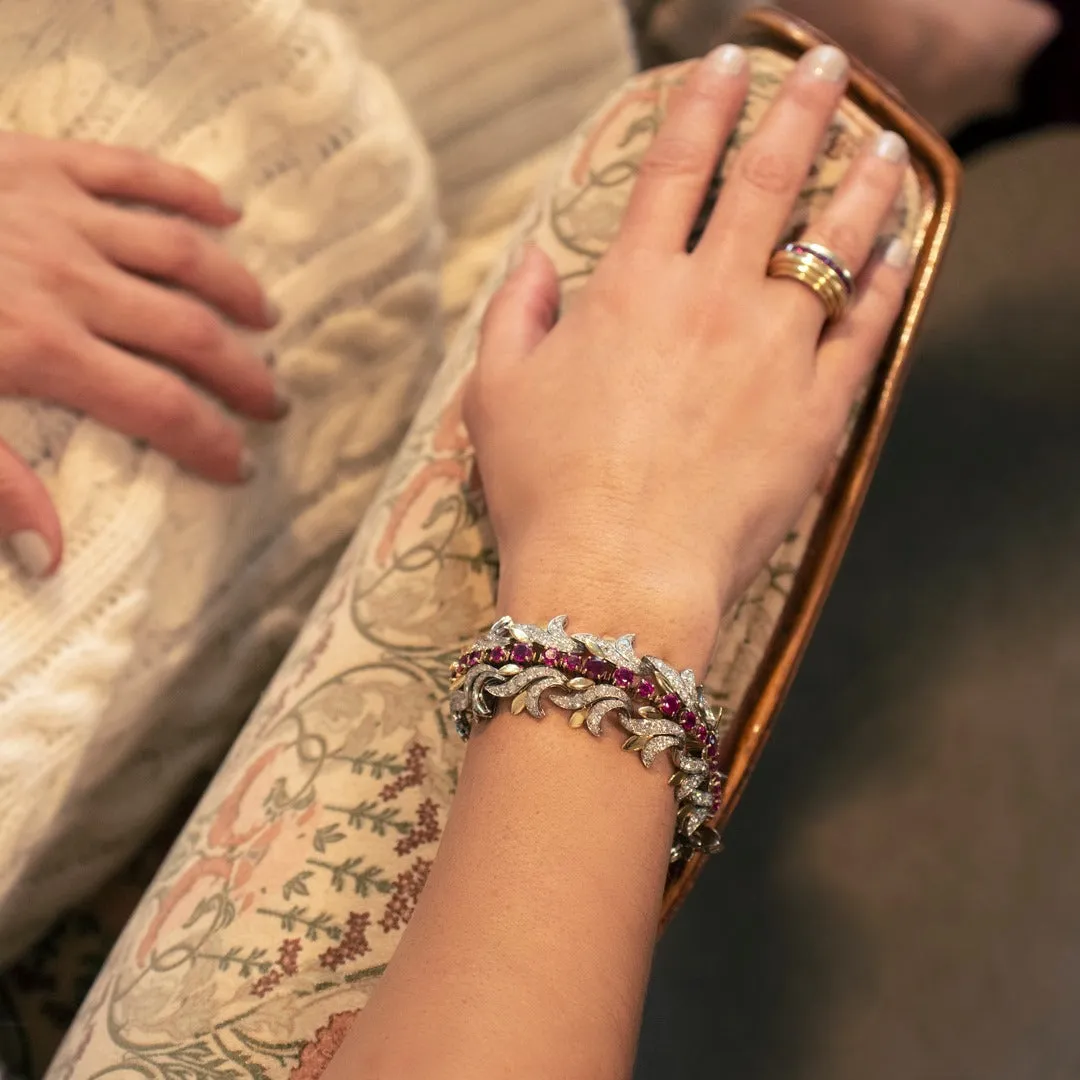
(121, 172)
(28, 522)
(145, 401)
(175, 251)
(851, 348)
(154, 321)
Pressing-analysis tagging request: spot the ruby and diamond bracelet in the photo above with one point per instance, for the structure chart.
(595, 679)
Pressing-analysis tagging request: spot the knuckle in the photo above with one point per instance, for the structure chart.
(769, 172)
(181, 249)
(811, 96)
(198, 331)
(845, 239)
(175, 411)
(674, 156)
(37, 342)
(880, 180)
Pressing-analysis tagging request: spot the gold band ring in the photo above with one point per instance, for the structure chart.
(820, 270)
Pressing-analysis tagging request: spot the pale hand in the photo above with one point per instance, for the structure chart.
(648, 453)
(116, 303)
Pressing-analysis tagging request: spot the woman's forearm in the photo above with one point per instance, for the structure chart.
(529, 953)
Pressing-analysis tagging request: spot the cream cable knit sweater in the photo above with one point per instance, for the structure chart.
(131, 670)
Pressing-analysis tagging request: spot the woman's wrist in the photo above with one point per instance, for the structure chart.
(674, 615)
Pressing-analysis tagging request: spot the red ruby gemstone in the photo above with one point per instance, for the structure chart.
(597, 669)
(522, 654)
(498, 655)
(688, 721)
(550, 657)
(670, 705)
(474, 658)
(646, 689)
(700, 731)
(570, 662)
(624, 678)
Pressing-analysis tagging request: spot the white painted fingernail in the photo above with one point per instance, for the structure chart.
(31, 551)
(727, 60)
(897, 254)
(825, 62)
(891, 147)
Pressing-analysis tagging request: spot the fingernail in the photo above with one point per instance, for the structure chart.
(31, 551)
(825, 62)
(727, 60)
(891, 147)
(248, 466)
(272, 312)
(897, 254)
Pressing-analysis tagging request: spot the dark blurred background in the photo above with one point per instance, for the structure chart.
(900, 892)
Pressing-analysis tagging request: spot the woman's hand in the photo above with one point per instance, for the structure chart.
(112, 308)
(640, 461)
(648, 454)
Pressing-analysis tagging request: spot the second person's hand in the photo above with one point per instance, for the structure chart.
(117, 304)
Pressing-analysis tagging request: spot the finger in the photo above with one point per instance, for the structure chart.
(755, 203)
(675, 173)
(118, 172)
(519, 316)
(144, 401)
(522, 312)
(851, 348)
(851, 223)
(28, 522)
(175, 251)
(149, 319)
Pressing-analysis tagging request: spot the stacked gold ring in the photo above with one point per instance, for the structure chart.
(820, 270)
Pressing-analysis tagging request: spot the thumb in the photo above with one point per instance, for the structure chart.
(28, 521)
(522, 312)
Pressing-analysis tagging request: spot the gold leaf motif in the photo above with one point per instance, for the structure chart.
(647, 712)
(578, 719)
(510, 669)
(593, 648)
(663, 683)
(636, 743)
(519, 635)
(674, 779)
(580, 683)
(518, 704)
